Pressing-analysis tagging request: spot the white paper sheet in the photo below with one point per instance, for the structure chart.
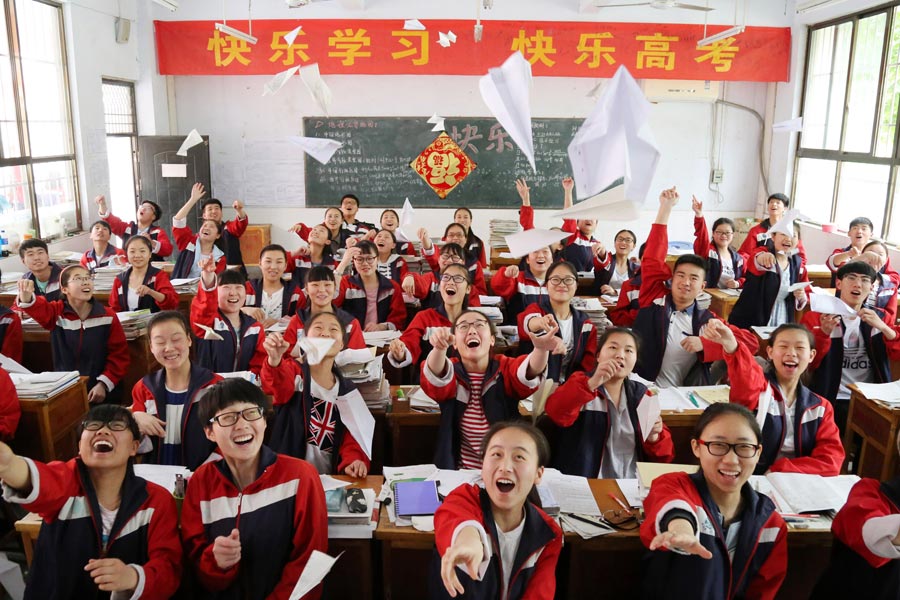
(315, 348)
(445, 39)
(291, 35)
(317, 87)
(161, 475)
(317, 567)
(392, 474)
(11, 366)
(764, 332)
(413, 25)
(610, 205)
(506, 90)
(785, 224)
(438, 123)
(209, 334)
(799, 286)
(358, 420)
(648, 412)
(174, 170)
(330, 483)
(830, 305)
(631, 490)
(448, 480)
(277, 82)
(525, 242)
(321, 149)
(886, 392)
(573, 493)
(192, 139)
(615, 141)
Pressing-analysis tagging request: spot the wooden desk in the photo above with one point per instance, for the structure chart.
(48, 429)
(721, 303)
(878, 425)
(820, 275)
(253, 240)
(184, 300)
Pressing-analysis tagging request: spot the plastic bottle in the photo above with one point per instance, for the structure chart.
(4, 242)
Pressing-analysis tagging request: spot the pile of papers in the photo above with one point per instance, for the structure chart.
(370, 381)
(29, 325)
(41, 386)
(186, 286)
(692, 398)
(134, 322)
(380, 339)
(888, 393)
(500, 228)
(493, 313)
(810, 501)
(595, 312)
(65, 258)
(419, 400)
(105, 276)
(703, 300)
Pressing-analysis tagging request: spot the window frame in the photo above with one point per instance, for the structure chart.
(135, 163)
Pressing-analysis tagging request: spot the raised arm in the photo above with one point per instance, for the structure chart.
(197, 192)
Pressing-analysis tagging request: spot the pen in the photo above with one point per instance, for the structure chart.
(686, 334)
(585, 520)
(619, 502)
(692, 399)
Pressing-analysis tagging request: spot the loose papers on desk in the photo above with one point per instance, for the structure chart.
(572, 492)
(679, 398)
(41, 386)
(380, 338)
(12, 366)
(795, 493)
(889, 393)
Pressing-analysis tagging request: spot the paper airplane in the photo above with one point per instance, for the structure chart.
(315, 348)
(276, 83)
(209, 334)
(316, 86)
(830, 305)
(192, 139)
(406, 218)
(413, 25)
(291, 35)
(506, 91)
(615, 141)
(788, 126)
(321, 149)
(445, 39)
(437, 121)
(526, 242)
(317, 567)
(785, 224)
(610, 205)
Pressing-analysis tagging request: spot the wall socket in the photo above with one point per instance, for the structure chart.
(717, 175)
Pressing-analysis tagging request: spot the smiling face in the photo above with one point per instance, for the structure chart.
(389, 220)
(880, 256)
(333, 218)
(213, 212)
(364, 263)
(562, 284)
(100, 233)
(472, 336)
(449, 258)
(79, 285)
(107, 448)
(854, 288)
(463, 217)
(587, 226)
(241, 441)
(510, 469)
(349, 207)
(272, 264)
(621, 348)
(782, 242)
(775, 208)
(454, 292)
(728, 473)
(688, 281)
(138, 253)
(539, 261)
(624, 243)
(860, 234)
(36, 259)
(328, 326)
(384, 242)
(170, 344)
(790, 354)
(146, 213)
(209, 231)
(321, 293)
(722, 235)
(456, 235)
(319, 235)
(231, 298)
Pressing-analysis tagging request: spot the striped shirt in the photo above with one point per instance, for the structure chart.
(473, 425)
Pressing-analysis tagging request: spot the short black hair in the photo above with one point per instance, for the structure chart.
(858, 267)
(103, 223)
(780, 197)
(723, 221)
(31, 245)
(367, 247)
(320, 273)
(229, 392)
(455, 249)
(793, 327)
(232, 277)
(610, 331)
(137, 239)
(209, 201)
(352, 197)
(561, 264)
(157, 210)
(111, 412)
(274, 248)
(452, 225)
(718, 409)
(166, 316)
(862, 221)
(690, 259)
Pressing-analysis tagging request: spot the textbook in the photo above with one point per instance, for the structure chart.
(416, 498)
(798, 493)
(648, 471)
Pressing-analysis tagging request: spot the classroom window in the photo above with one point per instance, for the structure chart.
(121, 146)
(38, 182)
(847, 157)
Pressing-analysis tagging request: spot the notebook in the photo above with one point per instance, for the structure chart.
(416, 498)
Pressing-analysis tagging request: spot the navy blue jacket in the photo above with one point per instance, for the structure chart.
(290, 295)
(52, 291)
(584, 350)
(757, 300)
(652, 325)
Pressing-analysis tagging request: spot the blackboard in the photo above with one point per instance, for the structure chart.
(374, 162)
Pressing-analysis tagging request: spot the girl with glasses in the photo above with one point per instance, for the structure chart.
(711, 535)
(165, 402)
(618, 267)
(799, 434)
(592, 418)
(85, 335)
(475, 389)
(454, 234)
(141, 285)
(251, 520)
(576, 337)
(372, 299)
(426, 286)
(105, 529)
(725, 265)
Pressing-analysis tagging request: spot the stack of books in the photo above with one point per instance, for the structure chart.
(370, 381)
(104, 277)
(186, 286)
(134, 322)
(500, 228)
(594, 310)
(41, 386)
(493, 313)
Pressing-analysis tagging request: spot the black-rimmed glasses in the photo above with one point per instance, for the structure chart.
(230, 418)
(743, 450)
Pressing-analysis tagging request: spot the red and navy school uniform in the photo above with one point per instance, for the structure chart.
(337, 241)
(534, 567)
(299, 265)
(357, 228)
(281, 518)
(885, 296)
(160, 242)
(10, 411)
(353, 337)
(149, 395)
(51, 291)
(704, 247)
(761, 285)
(404, 249)
(144, 534)
(428, 290)
(584, 342)
(829, 262)
(579, 249)
(10, 334)
(154, 279)
(188, 245)
(628, 304)
(479, 285)
(92, 262)
(519, 292)
(865, 563)
(817, 441)
(603, 275)
(759, 236)
(240, 349)
(389, 301)
(829, 360)
(394, 268)
(290, 295)
(95, 347)
(416, 337)
(757, 566)
(505, 383)
(578, 424)
(302, 419)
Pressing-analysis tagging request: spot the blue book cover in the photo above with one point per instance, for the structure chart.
(416, 498)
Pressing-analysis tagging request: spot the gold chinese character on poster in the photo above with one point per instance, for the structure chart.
(656, 53)
(537, 47)
(443, 165)
(415, 44)
(227, 49)
(349, 45)
(288, 53)
(719, 54)
(591, 47)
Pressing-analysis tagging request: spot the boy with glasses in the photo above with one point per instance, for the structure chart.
(373, 299)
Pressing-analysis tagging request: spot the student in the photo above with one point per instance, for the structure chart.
(272, 296)
(334, 221)
(628, 304)
(415, 342)
(193, 250)
(228, 339)
(669, 320)
(798, 430)
(582, 249)
(148, 213)
(454, 234)
(475, 389)
(724, 264)
(165, 402)
(318, 253)
(473, 244)
(389, 264)
(577, 336)
(860, 234)
(41, 270)
(618, 268)
(269, 512)
(211, 210)
(319, 416)
(887, 280)
(10, 411)
(851, 349)
(350, 208)
(142, 286)
(85, 336)
(711, 535)
(526, 217)
(771, 270)
(372, 299)
(425, 286)
(522, 287)
(105, 530)
(10, 334)
(102, 253)
(390, 220)
(865, 555)
(496, 542)
(593, 416)
(759, 233)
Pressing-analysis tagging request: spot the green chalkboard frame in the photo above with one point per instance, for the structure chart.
(374, 162)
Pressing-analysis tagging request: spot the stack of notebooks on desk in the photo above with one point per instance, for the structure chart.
(186, 286)
(370, 381)
(41, 386)
(594, 310)
(105, 276)
(134, 322)
(648, 471)
(493, 313)
(29, 325)
(65, 258)
(703, 300)
(500, 228)
(419, 400)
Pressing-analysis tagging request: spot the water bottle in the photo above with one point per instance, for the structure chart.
(4, 242)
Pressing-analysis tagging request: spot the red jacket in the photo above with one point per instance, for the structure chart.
(428, 290)
(857, 523)
(10, 411)
(91, 262)
(162, 246)
(628, 304)
(479, 286)
(281, 517)
(156, 280)
(10, 334)
(758, 235)
(534, 568)
(389, 300)
(239, 350)
(187, 243)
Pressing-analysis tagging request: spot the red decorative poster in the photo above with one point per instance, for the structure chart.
(554, 49)
(443, 165)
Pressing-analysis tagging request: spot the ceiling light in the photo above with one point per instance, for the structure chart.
(803, 7)
(170, 4)
(236, 33)
(721, 35)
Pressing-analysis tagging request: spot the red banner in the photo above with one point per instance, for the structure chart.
(555, 49)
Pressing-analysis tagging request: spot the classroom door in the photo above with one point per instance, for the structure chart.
(170, 186)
